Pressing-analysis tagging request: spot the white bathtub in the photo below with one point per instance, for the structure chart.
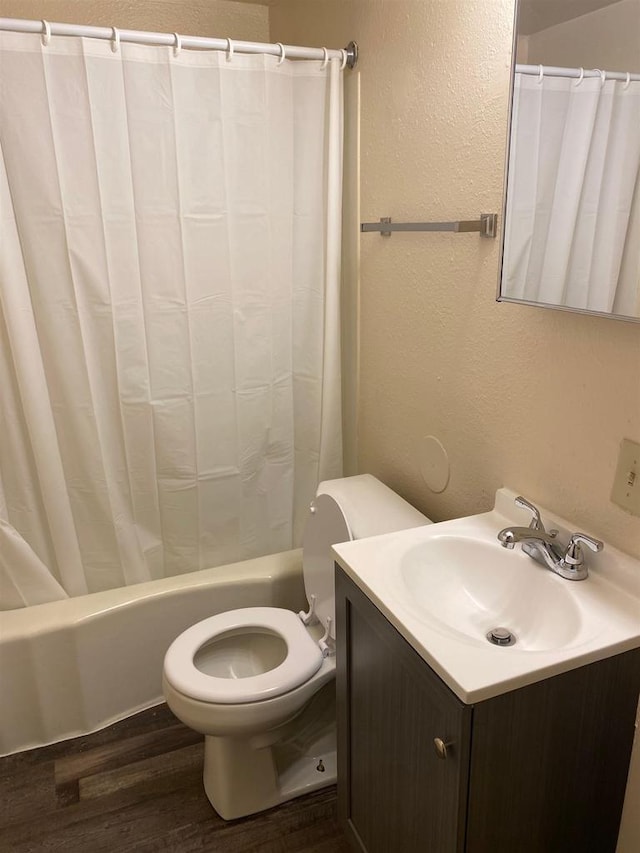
(72, 667)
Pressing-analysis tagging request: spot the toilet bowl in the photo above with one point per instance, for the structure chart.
(258, 682)
(245, 671)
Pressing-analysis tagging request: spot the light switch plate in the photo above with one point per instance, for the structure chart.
(626, 484)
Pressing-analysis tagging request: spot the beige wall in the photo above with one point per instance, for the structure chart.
(221, 18)
(608, 38)
(530, 398)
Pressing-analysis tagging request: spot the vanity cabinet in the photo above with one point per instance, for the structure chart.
(541, 769)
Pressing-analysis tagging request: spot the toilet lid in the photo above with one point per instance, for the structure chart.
(302, 660)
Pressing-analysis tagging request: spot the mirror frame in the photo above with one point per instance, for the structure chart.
(499, 296)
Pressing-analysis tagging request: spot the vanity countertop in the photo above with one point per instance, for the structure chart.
(572, 623)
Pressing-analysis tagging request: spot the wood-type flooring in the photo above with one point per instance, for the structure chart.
(137, 786)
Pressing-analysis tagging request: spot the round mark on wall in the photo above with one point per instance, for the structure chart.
(434, 463)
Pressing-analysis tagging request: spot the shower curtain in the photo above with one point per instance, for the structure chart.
(572, 229)
(169, 309)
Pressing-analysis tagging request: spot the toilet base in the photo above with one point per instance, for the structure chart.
(240, 780)
(243, 776)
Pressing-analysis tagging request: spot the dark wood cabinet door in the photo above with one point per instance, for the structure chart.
(394, 792)
(549, 761)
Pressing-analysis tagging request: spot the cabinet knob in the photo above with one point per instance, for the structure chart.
(441, 747)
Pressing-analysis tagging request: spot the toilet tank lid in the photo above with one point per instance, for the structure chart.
(371, 508)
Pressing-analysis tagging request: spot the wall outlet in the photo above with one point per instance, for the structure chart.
(626, 483)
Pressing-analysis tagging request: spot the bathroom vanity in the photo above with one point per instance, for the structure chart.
(541, 768)
(429, 761)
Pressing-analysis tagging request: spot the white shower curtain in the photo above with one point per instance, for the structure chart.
(572, 229)
(169, 323)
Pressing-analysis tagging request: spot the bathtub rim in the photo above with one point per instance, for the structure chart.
(39, 619)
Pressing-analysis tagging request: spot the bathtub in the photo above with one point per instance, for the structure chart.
(72, 667)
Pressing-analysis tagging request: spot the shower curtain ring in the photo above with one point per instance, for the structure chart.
(603, 76)
(115, 41)
(325, 53)
(177, 47)
(283, 53)
(540, 74)
(580, 78)
(345, 56)
(230, 50)
(626, 85)
(46, 34)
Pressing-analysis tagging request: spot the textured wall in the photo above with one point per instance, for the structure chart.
(219, 18)
(534, 399)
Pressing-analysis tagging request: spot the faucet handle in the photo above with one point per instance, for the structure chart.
(536, 521)
(574, 555)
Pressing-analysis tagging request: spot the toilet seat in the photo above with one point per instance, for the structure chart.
(302, 661)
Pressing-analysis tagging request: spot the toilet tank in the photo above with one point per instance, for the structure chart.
(345, 509)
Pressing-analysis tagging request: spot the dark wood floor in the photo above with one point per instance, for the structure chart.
(137, 786)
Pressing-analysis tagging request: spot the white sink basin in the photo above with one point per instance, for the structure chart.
(445, 586)
(468, 587)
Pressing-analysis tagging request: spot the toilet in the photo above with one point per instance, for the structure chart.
(258, 682)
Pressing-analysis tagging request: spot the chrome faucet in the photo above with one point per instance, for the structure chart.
(542, 546)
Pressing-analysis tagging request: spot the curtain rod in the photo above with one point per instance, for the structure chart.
(348, 55)
(557, 71)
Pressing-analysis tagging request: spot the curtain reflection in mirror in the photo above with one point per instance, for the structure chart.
(572, 230)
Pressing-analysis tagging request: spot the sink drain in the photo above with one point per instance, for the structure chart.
(501, 637)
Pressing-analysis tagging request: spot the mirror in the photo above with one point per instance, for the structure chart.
(571, 236)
